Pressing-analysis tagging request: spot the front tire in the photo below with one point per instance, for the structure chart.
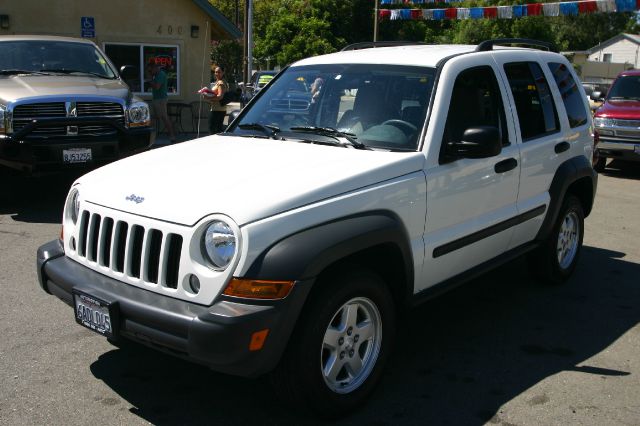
(338, 350)
(556, 259)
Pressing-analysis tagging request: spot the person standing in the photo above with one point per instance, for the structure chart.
(160, 98)
(218, 111)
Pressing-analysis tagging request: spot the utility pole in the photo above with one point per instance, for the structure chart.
(375, 21)
(247, 50)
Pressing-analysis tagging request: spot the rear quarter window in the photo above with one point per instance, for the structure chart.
(571, 97)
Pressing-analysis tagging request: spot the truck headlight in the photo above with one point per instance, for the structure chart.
(73, 205)
(603, 122)
(219, 244)
(139, 114)
(3, 115)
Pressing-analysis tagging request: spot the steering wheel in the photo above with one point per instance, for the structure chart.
(405, 126)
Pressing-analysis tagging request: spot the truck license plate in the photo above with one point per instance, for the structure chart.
(93, 313)
(76, 155)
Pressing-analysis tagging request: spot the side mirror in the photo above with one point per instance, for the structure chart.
(127, 71)
(596, 96)
(233, 115)
(477, 142)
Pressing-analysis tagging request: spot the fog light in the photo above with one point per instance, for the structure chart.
(194, 283)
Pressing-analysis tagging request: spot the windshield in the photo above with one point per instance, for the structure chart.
(379, 106)
(625, 87)
(36, 56)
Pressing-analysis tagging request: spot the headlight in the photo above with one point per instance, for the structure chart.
(603, 122)
(139, 114)
(3, 114)
(73, 205)
(219, 244)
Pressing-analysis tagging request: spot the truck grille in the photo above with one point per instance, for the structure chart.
(26, 113)
(129, 249)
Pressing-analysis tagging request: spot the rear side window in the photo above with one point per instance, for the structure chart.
(536, 111)
(571, 97)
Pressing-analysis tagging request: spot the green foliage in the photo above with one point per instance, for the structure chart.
(288, 30)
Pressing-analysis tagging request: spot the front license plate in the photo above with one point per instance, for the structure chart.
(76, 155)
(93, 313)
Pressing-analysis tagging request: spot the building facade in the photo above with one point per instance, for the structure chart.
(175, 34)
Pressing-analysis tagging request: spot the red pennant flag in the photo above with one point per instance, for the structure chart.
(589, 6)
(416, 13)
(384, 14)
(534, 9)
(492, 12)
(451, 13)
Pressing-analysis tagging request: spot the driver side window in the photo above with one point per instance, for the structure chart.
(475, 101)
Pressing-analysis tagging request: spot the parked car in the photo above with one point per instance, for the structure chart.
(259, 79)
(63, 104)
(617, 121)
(290, 243)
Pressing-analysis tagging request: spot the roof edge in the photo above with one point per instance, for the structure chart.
(219, 18)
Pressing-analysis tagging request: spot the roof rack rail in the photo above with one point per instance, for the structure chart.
(370, 44)
(488, 44)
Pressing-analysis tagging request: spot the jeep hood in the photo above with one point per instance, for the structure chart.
(246, 179)
(21, 87)
(622, 109)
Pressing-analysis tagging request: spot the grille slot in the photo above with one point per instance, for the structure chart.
(110, 111)
(130, 249)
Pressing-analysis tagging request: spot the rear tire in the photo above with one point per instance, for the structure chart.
(556, 259)
(340, 345)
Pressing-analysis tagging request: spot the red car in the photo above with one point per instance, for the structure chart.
(617, 121)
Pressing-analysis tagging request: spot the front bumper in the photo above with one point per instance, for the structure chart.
(623, 150)
(217, 336)
(26, 152)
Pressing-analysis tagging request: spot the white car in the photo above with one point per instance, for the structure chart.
(289, 244)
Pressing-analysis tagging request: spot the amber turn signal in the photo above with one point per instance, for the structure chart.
(258, 289)
(257, 339)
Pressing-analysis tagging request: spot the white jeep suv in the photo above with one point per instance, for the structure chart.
(353, 186)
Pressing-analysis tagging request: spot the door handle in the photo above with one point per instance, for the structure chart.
(505, 165)
(562, 147)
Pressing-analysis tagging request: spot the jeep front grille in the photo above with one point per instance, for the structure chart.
(25, 113)
(129, 249)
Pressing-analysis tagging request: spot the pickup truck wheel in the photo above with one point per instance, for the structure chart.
(556, 259)
(337, 352)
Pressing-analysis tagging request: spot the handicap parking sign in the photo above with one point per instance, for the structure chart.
(87, 27)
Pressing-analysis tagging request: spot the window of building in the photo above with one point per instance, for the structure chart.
(606, 57)
(571, 97)
(536, 111)
(141, 56)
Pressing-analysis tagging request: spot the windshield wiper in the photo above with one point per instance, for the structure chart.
(268, 129)
(69, 71)
(333, 133)
(631, 98)
(15, 71)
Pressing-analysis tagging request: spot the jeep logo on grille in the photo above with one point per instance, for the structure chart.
(135, 198)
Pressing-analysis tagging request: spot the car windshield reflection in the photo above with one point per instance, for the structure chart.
(380, 106)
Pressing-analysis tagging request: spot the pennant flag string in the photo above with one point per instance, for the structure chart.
(571, 8)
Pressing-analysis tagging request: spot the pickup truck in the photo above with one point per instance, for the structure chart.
(617, 121)
(63, 105)
(290, 244)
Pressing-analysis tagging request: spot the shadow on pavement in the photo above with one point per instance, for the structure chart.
(457, 359)
(623, 169)
(36, 199)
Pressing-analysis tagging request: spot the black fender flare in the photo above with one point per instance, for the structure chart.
(569, 172)
(306, 253)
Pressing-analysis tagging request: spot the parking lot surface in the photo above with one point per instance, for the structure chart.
(501, 349)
